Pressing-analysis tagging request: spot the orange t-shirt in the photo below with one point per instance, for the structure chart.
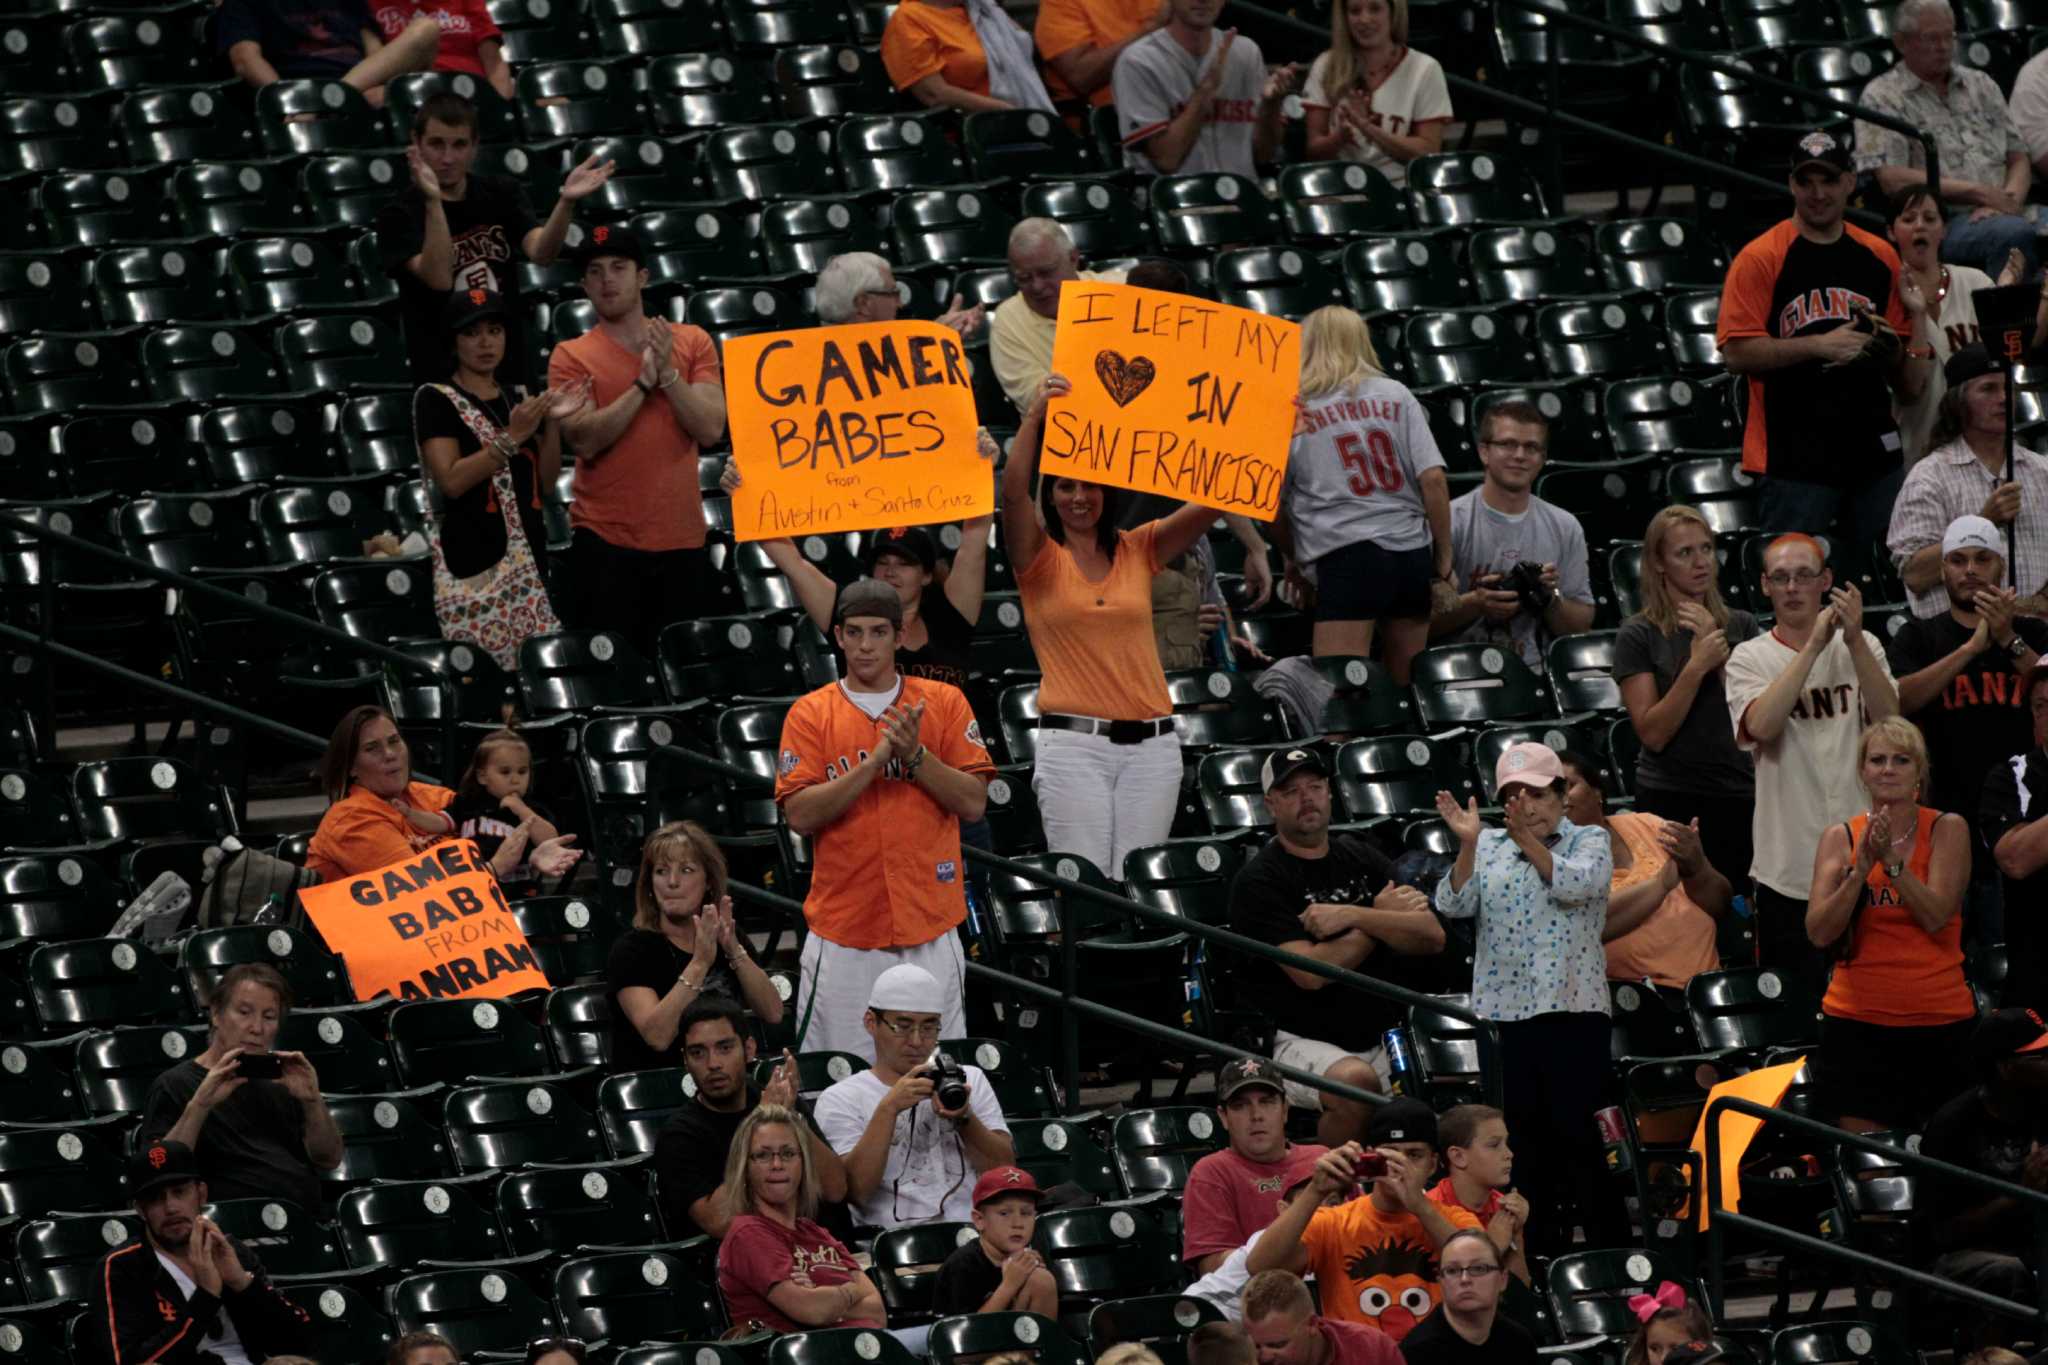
(363, 832)
(1377, 1268)
(922, 39)
(1897, 973)
(1676, 943)
(1094, 641)
(642, 493)
(1064, 25)
(887, 872)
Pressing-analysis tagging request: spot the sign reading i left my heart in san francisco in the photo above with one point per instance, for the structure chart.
(1173, 394)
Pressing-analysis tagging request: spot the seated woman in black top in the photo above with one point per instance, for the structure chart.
(683, 944)
(469, 430)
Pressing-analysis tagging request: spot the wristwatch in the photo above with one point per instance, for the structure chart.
(1893, 870)
(2019, 649)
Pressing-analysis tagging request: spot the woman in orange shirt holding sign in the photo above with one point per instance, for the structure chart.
(379, 815)
(1108, 768)
(1887, 892)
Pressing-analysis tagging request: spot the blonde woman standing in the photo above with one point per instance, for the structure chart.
(1669, 661)
(1365, 513)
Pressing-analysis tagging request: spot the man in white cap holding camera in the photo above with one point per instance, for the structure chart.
(918, 1129)
(1961, 678)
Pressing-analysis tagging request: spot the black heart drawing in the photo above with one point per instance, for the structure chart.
(1123, 379)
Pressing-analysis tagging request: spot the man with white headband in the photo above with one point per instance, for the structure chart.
(913, 1147)
(1960, 680)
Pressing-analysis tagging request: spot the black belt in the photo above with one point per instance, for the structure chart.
(1118, 731)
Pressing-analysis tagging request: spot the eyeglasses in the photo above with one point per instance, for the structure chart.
(1786, 578)
(909, 1028)
(1516, 447)
(1467, 1272)
(784, 1156)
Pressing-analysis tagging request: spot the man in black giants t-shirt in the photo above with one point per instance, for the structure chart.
(1332, 900)
(449, 230)
(1812, 313)
(1961, 677)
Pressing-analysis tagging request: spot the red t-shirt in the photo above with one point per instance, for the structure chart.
(1353, 1343)
(1444, 1193)
(465, 26)
(759, 1253)
(1228, 1198)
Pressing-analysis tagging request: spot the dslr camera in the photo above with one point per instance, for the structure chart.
(1525, 581)
(949, 1081)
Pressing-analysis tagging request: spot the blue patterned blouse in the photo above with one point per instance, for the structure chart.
(1538, 946)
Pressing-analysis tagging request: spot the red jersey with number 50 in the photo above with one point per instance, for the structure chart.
(1353, 467)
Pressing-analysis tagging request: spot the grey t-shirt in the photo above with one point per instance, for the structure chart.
(1152, 81)
(1487, 541)
(1352, 470)
(1702, 757)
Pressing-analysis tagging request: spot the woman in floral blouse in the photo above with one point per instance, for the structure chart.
(1539, 891)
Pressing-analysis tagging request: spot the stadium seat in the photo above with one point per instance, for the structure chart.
(477, 1310)
(1489, 744)
(315, 975)
(403, 96)
(1447, 1055)
(456, 1040)
(291, 1240)
(52, 1167)
(55, 897)
(34, 55)
(204, 363)
(1462, 189)
(1589, 1290)
(43, 292)
(636, 1296)
(632, 1107)
(1160, 1322)
(830, 80)
(65, 373)
(1402, 273)
(343, 1324)
(1060, 1151)
(1328, 202)
(954, 226)
(1363, 698)
(1021, 144)
(116, 1066)
(36, 1081)
(289, 275)
(1724, 492)
(385, 1138)
(1202, 211)
(579, 99)
(1608, 338)
(564, 1208)
(1476, 684)
(1608, 500)
(703, 90)
(802, 235)
(516, 1123)
(259, 442)
(59, 1258)
(571, 935)
(102, 983)
(1099, 221)
(905, 1265)
(1749, 1008)
(1467, 348)
(177, 127)
(1155, 1149)
(1778, 23)
(1670, 417)
(148, 284)
(837, 1345)
(1106, 1253)
(348, 1057)
(729, 313)
(345, 352)
(750, 737)
(770, 161)
(101, 208)
(536, 30)
(316, 117)
(1581, 672)
(1397, 775)
(350, 189)
(1659, 253)
(723, 658)
(1212, 707)
(1522, 264)
(786, 23)
(578, 671)
(894, 152)
(1280, 281)
(980, 1336)
(51, 134)
(577, 1021)
(400, 1223)
(1185, 877)
(1227, 784)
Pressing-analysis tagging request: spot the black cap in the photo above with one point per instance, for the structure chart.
(1282, 764)
(912, 542)
(611, 239)
(1232, 1077)
(160, 1164)
(472, 306)
(1970, 362)
(1401, 1119)
(2008, 1033)
(1821, 147)
(868, 597)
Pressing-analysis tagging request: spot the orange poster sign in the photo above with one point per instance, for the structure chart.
(1174, 395)
(1766, 1085)
(853, 428)
(426, 927)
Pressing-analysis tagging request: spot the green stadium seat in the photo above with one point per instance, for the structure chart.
(1227, 783)
(1099, 221)
(830, 80)
(59, 1257)
(36, 1081)
(350, 189)
(399, 1223)
(955, 226)
(1751, 1008)
(1524, 264)
(53, 897)
(62, 373)
(801, 235)
(1339, 201)
(1581, 672)
(1160, 1322)
(577, 1021)
(582, 99)
(349, 1058)
(53, 134)
(1022, 144)
(289, 275)
(571, 935)
(453, 1041)
(537, 30)
(1397, 775)
(566, 1208)
(1723, 491)
(35, 58)
(1660, 254)
(744, 311)
(1670, 416)
(102, 208)
(786, 23)
(116, 1066)
(1606, 338)
(50, 1167)
(478, 1310)
(152, 284)
(128, 799)
(905, 1265)
(1023, 1088)
(771, 161)
(1467, 348)
(1155, 1149)
(403, 96)
(1463, 189)
(722, 658)
(636, 1296)
(316, 976)
(203, 363)
(633, 1106)
(979, 1336)
(180, 126)
(310, 525)
(291, 1240)
(1280, 281)
(1608, 500)
(1689, 321)
(1060, 1151)
(343, 352)
(1103, 1253)
(316, 117)
(894, 153)
(1364, 699)
(1212, 707)
(1185, 877)
(837, 1345)
(344, 1325)
(385, 1138)
(1477, 684)
(750, 737)
(260, 442)
(43, 292)
(1202, 211)
(581, 671)
(707, 90)
(644, 28)
(1589, 1290)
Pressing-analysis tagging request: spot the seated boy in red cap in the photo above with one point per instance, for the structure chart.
(999, 1272)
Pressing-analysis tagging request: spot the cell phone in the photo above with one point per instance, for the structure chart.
(260, 1066)
(1371, 1165)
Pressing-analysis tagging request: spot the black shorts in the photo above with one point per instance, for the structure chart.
(1897, 1076)
(1363, 582)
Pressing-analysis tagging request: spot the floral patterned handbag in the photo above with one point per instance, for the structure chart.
(500, 607)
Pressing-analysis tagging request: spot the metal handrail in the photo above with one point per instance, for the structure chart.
(1721, 1219)
(1728, 66)
(341, 640)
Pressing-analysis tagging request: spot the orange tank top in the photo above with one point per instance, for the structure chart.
(1897, 974)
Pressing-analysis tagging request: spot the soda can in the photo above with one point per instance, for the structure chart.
(1400, 1061)
(1613, 1127)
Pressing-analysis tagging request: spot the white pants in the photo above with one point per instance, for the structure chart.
(1101, 800)
(834, 981)
(1314, 1055)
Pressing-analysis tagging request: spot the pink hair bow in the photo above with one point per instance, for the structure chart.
(1647, 1306)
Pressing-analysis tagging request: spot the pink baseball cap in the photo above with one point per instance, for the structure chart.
(1527, 764)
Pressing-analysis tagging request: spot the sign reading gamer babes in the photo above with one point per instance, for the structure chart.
(853, 428)
(1173, 395)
